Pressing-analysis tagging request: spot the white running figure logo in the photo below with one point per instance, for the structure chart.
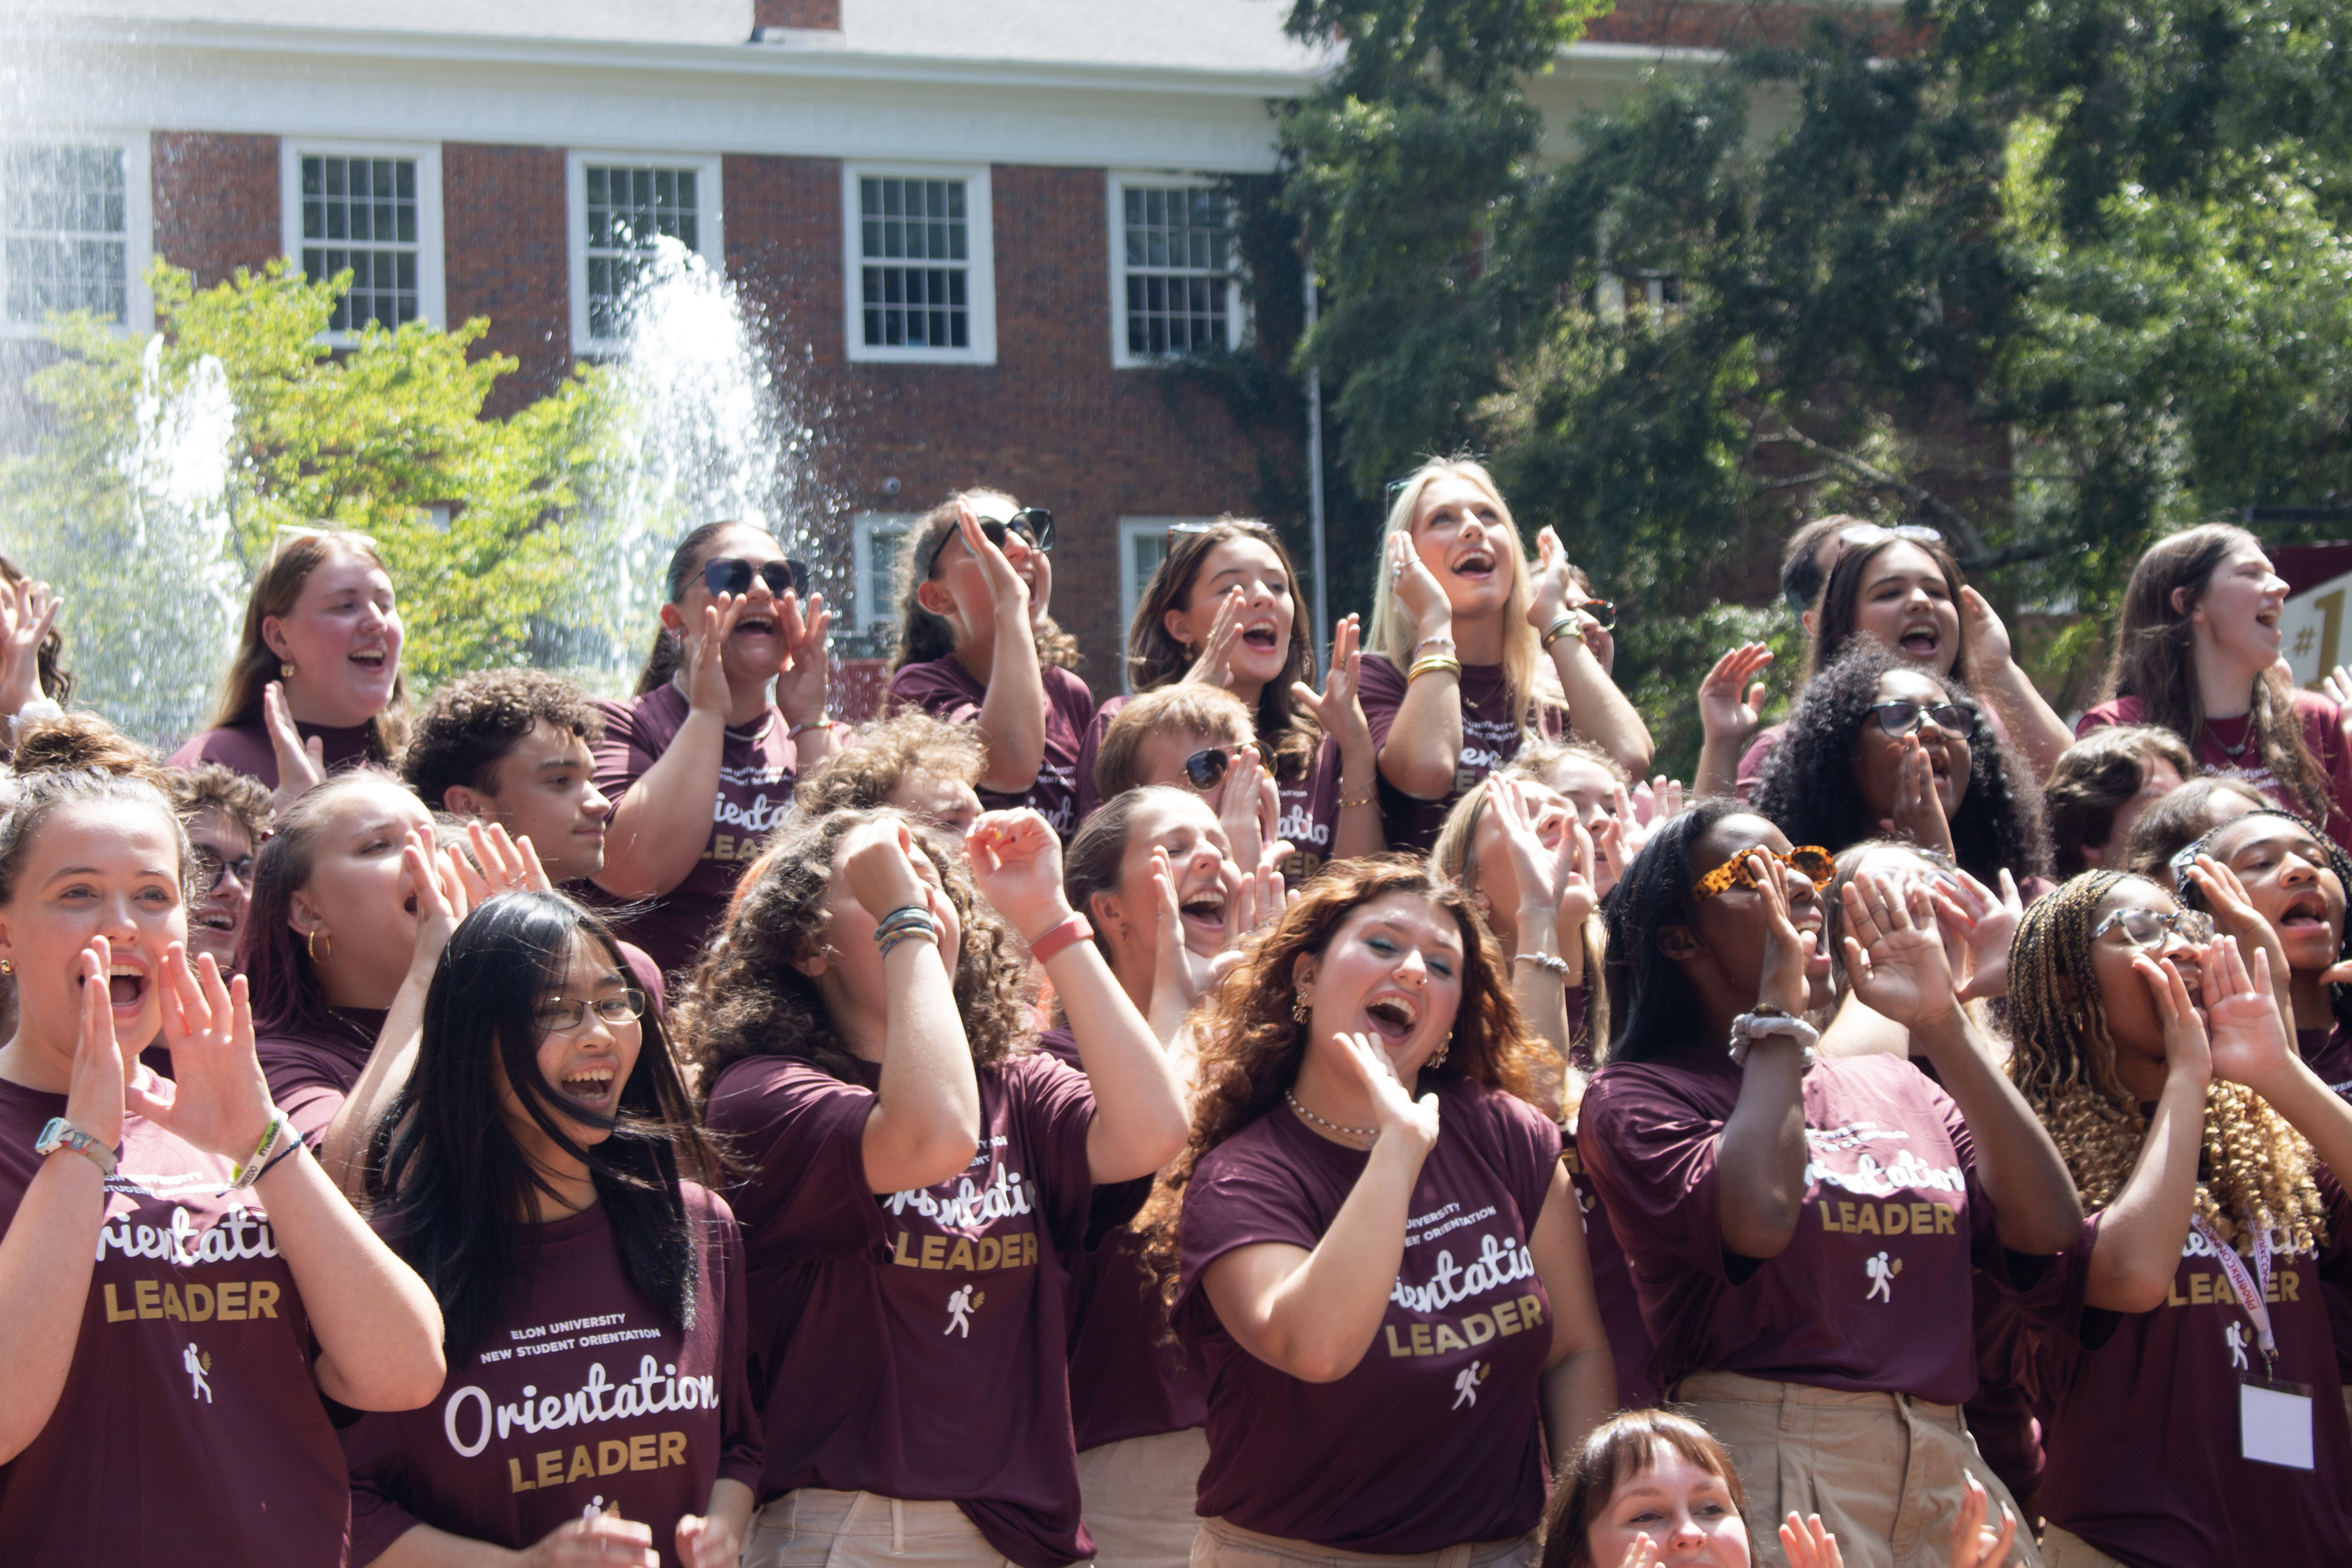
(960, 1312)
(2236, 1336)
(197, 1364)
(1881, 1274)
(1465, 1384)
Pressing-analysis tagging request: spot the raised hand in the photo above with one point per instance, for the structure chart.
(1655, 800)
(1724, 714)
(1974, 1544)
(1919, 807)
(1177, 972)
(2234, 915)
(1335, 707)
(1215, 664)
(1980, 922)
(706, 690)
(2186, 1050)
(1580, 890)
(1787, 950)
(1643, 1552)
(1538, 868)
(301, 766)
(1256, 898)
(706, 1541)
(1008, 591)
(803, 678)
(94, 1095)
(600, 1541)
(444, 896)
(1633, 833)
(26, 617)
(1549, 581)
(1016, 862)
(1250, 809)
(2250, 1043)
(1982, 632)
(1418, 592)
(1395, 1112)
(1807, 1543)
(216, 1098)
(879, 860)
(498, 863)
(1893, 953)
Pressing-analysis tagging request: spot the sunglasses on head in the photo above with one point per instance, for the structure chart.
(2184, 886)
(1900, 719)
(1205, 770)
(1602, 613)
(1807, 859)
(2147, 928)
(733, 575)
(1862, 535)
(1035, 524)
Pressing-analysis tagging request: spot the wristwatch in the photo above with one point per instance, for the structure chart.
(63, 1134)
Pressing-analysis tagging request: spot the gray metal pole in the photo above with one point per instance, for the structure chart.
(1315, 491)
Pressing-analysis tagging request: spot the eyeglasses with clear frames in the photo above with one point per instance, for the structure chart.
(2147, 927)
(563, 1015)
(210, 868)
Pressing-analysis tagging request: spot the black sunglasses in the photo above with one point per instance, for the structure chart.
(1602, 613)
(733, 575)
(1035, 524)
(1901, 718)
(1205, 770)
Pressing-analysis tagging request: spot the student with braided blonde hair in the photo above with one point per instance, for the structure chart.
(2164, 1072)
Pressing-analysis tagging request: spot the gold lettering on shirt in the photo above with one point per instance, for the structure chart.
(986, 1254)
(1887, 1219)
(1442, 1335)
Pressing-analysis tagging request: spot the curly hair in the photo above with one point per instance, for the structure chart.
(924, 637)
(209, 786)
(2191, 895)
(746, 999)
(472, 722)
(1251, 1045)
(73, 742)
(2095, 776)
(862, 774)
(2181, 818)
(1286, 732)
(1809, 786)
(2256, 1173)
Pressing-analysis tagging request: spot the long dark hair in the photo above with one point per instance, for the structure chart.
(1841, 598)
(1155, 659)
(275, 589)
(288, 998)
(1653, 1010)
(923, 637)
(2156, 661)
(451, 1182)
(670, 650)
(1809, 786)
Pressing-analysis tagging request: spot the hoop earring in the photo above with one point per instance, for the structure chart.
(312, 944)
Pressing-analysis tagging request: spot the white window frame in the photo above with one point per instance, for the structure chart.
(709, 223)
(862, 529)
(432, 260)
(138, 224)
(1131, 530)
(980, 281)
(1236, 315)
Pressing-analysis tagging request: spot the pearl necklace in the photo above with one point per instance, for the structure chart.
(1372, 1133)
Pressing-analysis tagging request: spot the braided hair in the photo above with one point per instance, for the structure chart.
(2256, 1172)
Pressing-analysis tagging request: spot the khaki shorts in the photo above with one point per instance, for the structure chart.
(1882, 1469)
(1223, 1545)
(1139, 1495)
(2065, 1549)
(812, 1528)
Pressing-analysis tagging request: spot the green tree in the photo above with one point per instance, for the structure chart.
(167, 464)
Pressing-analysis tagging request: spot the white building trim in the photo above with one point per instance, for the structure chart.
(710, 241)
(979, 265)
(138, 216)
(432, 253)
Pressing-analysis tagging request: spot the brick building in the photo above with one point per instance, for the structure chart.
(973, 227)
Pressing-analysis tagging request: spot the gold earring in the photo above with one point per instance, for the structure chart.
(286, 672)
(1437, 1056)
(1299, 1007)
(7, 967)
(313, 944)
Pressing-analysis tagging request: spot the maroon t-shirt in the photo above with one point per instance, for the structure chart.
(944, 689)
(2328, 1054)
(756, 768)
(310, 1072)
(1309, 801)
(585, 1394)
(1873, 1292)
(1128, 1376)
(912, 1343)
(1490, 737)
(1434, 1438)
(246, 748)
(2141, 1414)
(1612, 1281)
(191, 1414)
(2323, 732)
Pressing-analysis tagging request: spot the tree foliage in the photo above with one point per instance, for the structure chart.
(168, 463)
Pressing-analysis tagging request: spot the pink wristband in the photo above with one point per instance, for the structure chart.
(1070, 931)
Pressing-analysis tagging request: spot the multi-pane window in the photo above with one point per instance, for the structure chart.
(879, 545)
(627, 209)
(66, 213)
(362, 213)
(1178, 269)
(915, 253)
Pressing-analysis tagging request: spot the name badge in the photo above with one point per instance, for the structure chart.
(2274, 1423)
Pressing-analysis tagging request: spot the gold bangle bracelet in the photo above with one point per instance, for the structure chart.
(1567, 625)
(1422, 667)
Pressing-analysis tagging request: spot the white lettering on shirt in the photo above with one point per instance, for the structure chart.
(655, 1388)
(239, 1234)
(1499, 1262)
(1005, 1194)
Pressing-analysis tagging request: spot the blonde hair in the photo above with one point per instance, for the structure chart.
(2064, 1061)
(1526, 673)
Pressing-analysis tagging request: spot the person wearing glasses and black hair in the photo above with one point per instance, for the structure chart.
(1903, 588)
(227, 815)
(1801, 1230)
(541, 1165)
(704, 728)
(1223, 611)
(977, 646)
(1877, 745)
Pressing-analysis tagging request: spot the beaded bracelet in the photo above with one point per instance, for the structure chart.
(1446, 643)
(1370, 797)
(1422, 667)
(1557, 965)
